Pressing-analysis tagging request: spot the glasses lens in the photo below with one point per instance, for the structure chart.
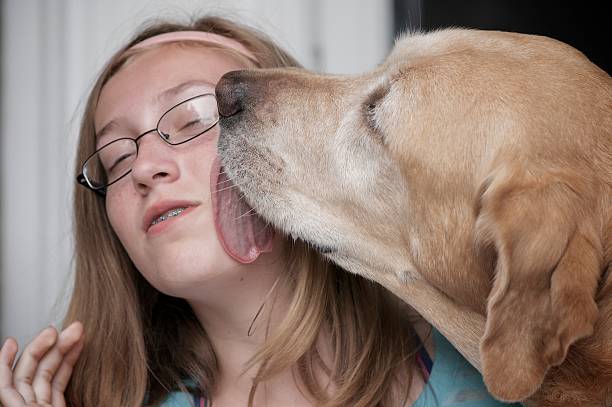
(189, 119)
(110, 163)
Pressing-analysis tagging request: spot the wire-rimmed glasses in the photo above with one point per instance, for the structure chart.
(179, 124)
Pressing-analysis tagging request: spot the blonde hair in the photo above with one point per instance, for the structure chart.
(140, 344)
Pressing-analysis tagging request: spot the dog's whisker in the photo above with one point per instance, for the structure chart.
(224, 182)
(224, 172)
(250, 212)
(230, 187)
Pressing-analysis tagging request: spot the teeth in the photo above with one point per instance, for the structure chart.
(169, 214)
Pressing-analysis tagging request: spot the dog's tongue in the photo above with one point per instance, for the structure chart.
(242, 233)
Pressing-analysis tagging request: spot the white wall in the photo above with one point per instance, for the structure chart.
(51, 51)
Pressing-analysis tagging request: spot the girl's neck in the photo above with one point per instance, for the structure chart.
(237, 326)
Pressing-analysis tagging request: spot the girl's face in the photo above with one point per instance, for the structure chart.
(182, 252)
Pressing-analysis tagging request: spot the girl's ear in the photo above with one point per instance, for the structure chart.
(549, 258)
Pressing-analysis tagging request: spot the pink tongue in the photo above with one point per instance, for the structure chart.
(242, 233)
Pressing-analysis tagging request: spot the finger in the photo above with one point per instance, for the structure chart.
(62, 377)
(51, 361)
(29, 360)
(9, 396)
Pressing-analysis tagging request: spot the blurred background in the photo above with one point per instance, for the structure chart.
(51, 51)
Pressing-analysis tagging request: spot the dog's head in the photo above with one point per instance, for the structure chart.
(315, 163)
(465, 155)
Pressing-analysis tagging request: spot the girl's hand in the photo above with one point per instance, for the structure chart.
(43, 370)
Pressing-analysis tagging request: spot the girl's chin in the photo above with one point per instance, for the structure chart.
(175, 280)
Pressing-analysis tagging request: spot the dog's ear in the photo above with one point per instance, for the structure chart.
(549, 258)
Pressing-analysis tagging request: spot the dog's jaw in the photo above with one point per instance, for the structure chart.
(293, 214)
(383, 260)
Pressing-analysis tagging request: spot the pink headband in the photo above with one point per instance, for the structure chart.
(196, 36)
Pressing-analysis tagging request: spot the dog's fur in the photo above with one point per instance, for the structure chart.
(471, 174)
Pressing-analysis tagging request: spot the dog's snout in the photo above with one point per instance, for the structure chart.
(232, 93)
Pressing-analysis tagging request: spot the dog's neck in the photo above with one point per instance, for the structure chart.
(462, 326)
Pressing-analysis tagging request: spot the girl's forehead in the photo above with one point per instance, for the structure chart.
(169, 65)
(150, 74)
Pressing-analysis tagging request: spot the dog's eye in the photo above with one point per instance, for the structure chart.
(370, 114)
(370, 106)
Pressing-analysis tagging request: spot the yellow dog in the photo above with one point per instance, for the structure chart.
(470, 174)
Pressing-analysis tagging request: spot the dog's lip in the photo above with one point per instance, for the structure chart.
(161, 207)
(318, 247)
(324, 249)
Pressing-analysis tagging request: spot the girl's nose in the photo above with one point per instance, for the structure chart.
(155, 163)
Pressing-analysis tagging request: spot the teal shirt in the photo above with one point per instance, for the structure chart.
(453, 382)
(176, 399)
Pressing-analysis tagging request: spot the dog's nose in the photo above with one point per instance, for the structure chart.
(231, 92)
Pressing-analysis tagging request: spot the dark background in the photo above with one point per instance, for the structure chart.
(581, 24)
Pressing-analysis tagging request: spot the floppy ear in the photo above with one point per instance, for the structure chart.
(549, 258)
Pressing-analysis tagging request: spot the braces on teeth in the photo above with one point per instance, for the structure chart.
(167, 215)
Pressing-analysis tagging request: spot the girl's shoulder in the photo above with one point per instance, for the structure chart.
(453, 382)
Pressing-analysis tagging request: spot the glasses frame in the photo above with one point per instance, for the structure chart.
(101, 191)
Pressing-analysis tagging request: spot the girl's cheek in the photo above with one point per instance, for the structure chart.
(112, 217)
(116, 209)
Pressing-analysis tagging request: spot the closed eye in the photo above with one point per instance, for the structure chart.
(190, 124)
(118, 162)
(370, 114)
(370, 106)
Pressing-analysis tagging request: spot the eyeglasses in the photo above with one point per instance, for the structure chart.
(179, 124)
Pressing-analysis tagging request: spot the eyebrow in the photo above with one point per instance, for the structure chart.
(107, 127)
(164, 95)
